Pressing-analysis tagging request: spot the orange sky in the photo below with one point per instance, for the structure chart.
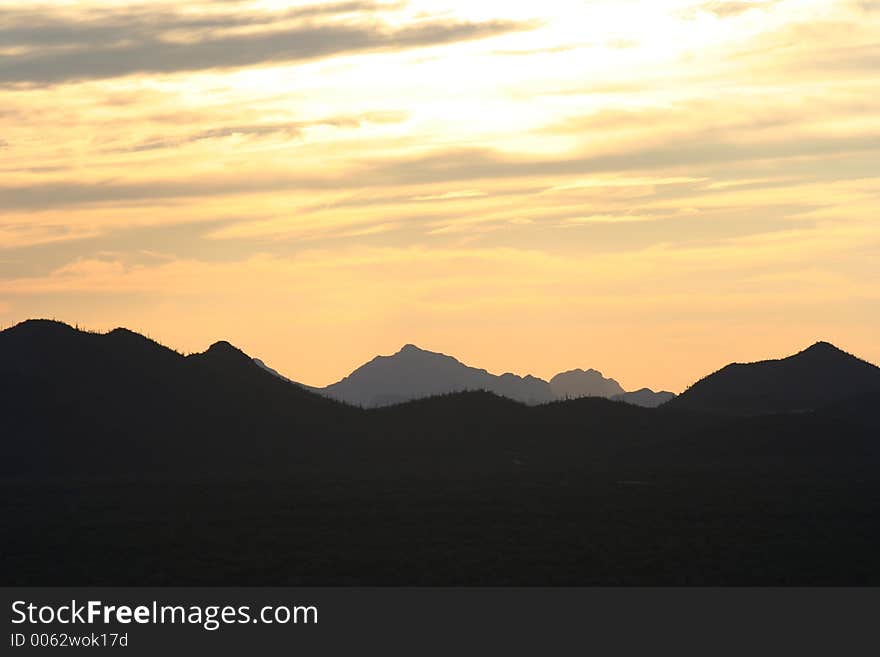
(649, 189)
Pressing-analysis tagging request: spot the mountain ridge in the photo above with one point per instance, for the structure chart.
(816, 376)
(214, 468)
(413, 373)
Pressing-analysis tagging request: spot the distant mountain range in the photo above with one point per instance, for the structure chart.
(414, 373)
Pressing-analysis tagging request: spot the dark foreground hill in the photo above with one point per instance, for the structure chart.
(81, 404)
(818, 376)
(124, 462)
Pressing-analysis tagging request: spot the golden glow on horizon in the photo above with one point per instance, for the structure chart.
(647, 188)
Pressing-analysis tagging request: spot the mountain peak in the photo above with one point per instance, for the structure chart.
(818, 376)
(224, 352)
(822, 347)
(223, 347)
(40, 326)
(584, 383)
(411, 352)
(225, 357)
(412, 373)
(128, 336)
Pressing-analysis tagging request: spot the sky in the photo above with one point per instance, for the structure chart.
(651, 189)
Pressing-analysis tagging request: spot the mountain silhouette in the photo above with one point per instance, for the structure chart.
(584, 383)
(816, 377)
(208, 469)
(645, 397)
(413, 373)
(98, 401)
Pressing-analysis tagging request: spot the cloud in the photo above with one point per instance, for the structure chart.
(19, 234)
(699, 150)
(847, 59)
(608, 271)
(451, 166)
(549, 50)
(62, 47)
(289, 130)
(57, 28)
(451, 196)
(729, 8)
(692, 116)
(841, 43)
(587, 220)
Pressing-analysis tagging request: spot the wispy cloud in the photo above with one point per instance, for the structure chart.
(448, 166)
(729, 8)
(287, 130)
(451, 196)
(700, 151)
(569, 222)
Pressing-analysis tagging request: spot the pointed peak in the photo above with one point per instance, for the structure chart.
(822, 346)
(412, 351)
(223, 349)
(223, 352)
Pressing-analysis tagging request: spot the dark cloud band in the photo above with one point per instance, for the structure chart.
(62, 48)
